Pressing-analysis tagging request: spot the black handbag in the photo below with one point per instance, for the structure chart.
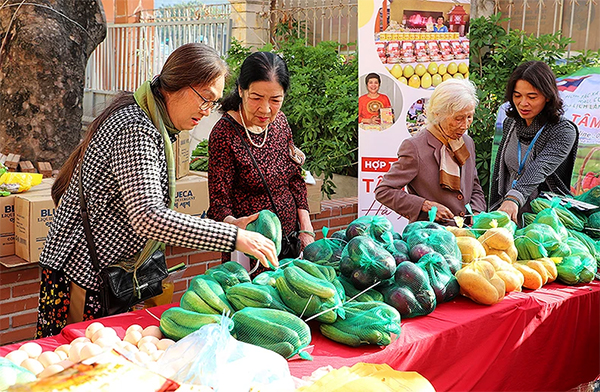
(290, 244)
(125, 284)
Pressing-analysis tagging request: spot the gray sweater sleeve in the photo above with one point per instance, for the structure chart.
(545, 162)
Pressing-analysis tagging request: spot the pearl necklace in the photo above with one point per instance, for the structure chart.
(257, 133)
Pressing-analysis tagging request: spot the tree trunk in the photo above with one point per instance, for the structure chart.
(482, 8)
(44, 50)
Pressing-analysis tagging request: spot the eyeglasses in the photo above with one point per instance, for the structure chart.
(206, 104)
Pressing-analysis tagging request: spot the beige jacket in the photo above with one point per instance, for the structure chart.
(417, 169)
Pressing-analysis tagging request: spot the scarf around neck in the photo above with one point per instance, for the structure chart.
(157, 113)
(453, 155)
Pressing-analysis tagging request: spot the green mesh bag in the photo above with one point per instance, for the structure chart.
(366, 323)
(536, 240)
(352, 292)
(205, 293)
(570, 219)
(574, 270)
(425, 241)
(266, 278)
(317, 270)
(326, 251)
(320, 272)
(275, 330)
(228, 274)
(308, 295)
(417, 226)
(379, 228)
(255, 296)
(589, 243)
(528, 218)
(442, 280)
(410, 293)
(550, 217)
(594, 220)
(592, 196)
(483, 222)
(269, 225)
(340, 235)
(364, 262)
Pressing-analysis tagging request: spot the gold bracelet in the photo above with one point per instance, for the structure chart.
(310, 233)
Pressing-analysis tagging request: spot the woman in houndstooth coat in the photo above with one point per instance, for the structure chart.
(127, 171)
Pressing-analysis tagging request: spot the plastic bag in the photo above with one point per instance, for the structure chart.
(19, 182)
(212, 357)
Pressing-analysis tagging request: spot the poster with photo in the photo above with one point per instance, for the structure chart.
(406, 48)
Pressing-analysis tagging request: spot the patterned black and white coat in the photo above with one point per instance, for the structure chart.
(126, 188)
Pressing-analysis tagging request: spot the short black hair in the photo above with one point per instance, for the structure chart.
(257, 67)
(540, 76)
(372, 75)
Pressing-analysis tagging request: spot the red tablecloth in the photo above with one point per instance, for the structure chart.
(543, 340)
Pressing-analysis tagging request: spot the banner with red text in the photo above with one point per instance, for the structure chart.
(406, 48)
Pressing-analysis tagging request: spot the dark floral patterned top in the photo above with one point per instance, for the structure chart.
(235, 187)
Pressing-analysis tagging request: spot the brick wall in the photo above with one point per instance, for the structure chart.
(19, 286)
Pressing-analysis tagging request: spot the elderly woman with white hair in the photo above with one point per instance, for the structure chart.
(436, 166)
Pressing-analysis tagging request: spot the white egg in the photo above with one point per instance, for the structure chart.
(108, 342)
(92, 329)
(164, 344)
(104, 333)
(141, 357)
(17, 357)
(50, 370)
(89, 350)
(33, 365)
(65, 363)
(156, 355)
(81, 340)
(32, 349)
(131, 348)
(75, 350)
(133, 337)
(134, 327)
(63, 347)
(48, 358)
(63, 355)
(152, 330)
(147, 339)
(148, 348)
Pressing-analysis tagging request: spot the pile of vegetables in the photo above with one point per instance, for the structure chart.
(199, 157)
(359, 282)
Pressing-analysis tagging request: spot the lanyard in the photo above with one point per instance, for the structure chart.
(522, 161)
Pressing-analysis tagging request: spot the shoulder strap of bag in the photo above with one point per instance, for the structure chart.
(86, 223)
(146, 251)
(262, 177)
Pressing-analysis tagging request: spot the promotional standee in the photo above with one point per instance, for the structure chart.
(406, 49)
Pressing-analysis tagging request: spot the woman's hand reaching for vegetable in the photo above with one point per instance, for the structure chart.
(257, 245)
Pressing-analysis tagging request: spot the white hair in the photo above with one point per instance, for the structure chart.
(450, 97)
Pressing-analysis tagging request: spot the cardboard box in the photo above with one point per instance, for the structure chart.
(192, 195)
(181, 150)
(7, 216)
(313, 195)
(33, 216)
